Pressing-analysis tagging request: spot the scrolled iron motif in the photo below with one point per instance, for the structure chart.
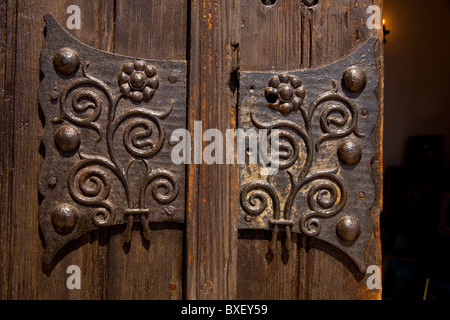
(254, 198)
(325, 152)
(94, 187)
(106, 140)
(334, 185)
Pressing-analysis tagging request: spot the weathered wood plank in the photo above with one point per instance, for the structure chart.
(212, 211)
(286, 36)
(7, 60)
(263, 274)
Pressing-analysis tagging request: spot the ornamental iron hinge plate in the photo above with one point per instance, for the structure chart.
(108, 119)
(324, 186)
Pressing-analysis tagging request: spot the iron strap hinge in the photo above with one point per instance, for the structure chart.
(107, 119)
(323, 185)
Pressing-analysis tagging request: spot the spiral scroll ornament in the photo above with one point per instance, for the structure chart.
(326, 192)
(82, 103)
(326, 198)
(255, 196)
(143, 134)
(90, 184)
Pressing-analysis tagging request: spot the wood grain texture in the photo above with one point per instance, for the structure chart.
(283, 37)
(7, 60)
(212, 211)
(152, 29)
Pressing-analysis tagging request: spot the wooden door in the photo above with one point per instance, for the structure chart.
(208, 256)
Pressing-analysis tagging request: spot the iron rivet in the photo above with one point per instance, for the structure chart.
(361, 195)
(348, 229)
(365, 112)
(66, 61)
(248, 218)
(52, 181)
(54, 95)
(67, 138)
(349, 153)
(354, 79)
(173, 78)
(310, 3)
(64, 218)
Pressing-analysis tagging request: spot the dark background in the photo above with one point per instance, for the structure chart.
(415, 240)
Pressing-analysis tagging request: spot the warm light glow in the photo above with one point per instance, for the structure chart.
(384, 22)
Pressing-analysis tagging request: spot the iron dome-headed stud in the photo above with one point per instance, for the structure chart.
(349, 153)
(348, 229)
(354, 80)
(67, 139)
(64, 218)
(66, 61)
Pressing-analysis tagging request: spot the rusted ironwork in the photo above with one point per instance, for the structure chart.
(325, 118)
(107, 122)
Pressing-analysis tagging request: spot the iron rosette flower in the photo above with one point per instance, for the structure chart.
(138, 81)
(285, 93)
